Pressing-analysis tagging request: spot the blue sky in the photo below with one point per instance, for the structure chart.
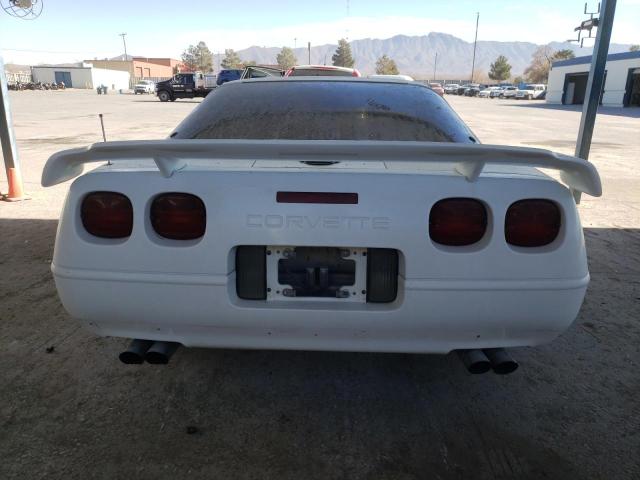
(71, 30)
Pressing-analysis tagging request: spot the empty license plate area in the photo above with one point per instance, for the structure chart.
(319, 273)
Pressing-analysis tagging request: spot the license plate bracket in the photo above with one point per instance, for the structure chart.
(316, 273)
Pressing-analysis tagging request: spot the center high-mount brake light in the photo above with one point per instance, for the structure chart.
(457, 221)
(532, 223)
(178, 216)
(317, 197)
(107, 214)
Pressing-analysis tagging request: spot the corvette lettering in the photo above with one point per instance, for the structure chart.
(314, 222)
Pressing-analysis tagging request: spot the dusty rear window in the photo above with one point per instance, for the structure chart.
(317, 110)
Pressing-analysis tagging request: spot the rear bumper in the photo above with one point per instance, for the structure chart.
(429, 316)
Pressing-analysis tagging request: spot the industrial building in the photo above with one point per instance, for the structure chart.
(82, 75)
(150, 68)
(568, 80)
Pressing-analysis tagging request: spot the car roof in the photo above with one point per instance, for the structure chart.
(329, 79)
(322, 67)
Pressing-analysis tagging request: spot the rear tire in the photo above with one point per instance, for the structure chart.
(164, 96)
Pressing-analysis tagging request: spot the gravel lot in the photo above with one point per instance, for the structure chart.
(70, 409)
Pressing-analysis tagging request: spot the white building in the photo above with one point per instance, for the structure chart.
(568, 80)
(82, 76)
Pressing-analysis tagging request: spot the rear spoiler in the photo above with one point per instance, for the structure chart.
(172, 155)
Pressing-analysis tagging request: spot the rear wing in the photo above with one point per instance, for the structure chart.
(468, 160)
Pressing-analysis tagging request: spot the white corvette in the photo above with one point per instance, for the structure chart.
(322, 214)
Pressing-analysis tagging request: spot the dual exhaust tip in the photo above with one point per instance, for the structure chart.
(155, 353)
(481, 361)
(476, 361)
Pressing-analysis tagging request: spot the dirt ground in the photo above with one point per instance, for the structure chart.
(70, 409)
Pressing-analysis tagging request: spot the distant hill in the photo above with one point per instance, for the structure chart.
(415, 55)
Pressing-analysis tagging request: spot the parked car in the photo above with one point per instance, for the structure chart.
(228, 75)
(298, 214)
(392, 77)
(531, 92)
(462, 89)
(261, 71)
(473, 89)
(488, 91)
(437, 87)
(496, 91)
(451, 88)
(321, 71)
(508, 92)
(144, 86)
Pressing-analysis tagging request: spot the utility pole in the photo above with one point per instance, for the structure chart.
(126, 58)
(435, 67)
(595, 82)
(309, 51)
(475, 43)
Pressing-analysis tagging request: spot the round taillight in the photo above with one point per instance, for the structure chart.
(457, 221)
(107, 214)
(178, 216)
(532, 223)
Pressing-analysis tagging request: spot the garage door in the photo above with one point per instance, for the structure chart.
(63, 77)
(575, 88)
(632, 91)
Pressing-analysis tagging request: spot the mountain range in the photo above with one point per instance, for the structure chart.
(415, 55)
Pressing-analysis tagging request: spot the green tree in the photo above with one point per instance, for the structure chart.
(286, 58)
(500, 69)
(198, 57)
(189, 59)
(634, 48)
(342, 57)
(518, 80)
(231, 59)
(386, 66)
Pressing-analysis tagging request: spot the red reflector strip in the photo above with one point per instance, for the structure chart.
(317, 197)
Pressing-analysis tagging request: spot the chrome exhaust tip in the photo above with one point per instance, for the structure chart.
(501, 361)
(475, 361)
(134, 355)
(161, 352)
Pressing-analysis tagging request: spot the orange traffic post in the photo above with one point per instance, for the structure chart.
(8, 144)
(16, 188)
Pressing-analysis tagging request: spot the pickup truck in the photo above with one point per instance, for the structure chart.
(531, 91)
(185, 85)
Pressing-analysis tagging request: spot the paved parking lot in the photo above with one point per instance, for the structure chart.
(69, 409)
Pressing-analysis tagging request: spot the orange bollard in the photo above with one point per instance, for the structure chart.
(16, 190)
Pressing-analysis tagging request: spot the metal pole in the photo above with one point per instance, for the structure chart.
(309, 51)
(595, 82)
(7, 136)
(475, 43)
(126, 57)
(435, 67)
